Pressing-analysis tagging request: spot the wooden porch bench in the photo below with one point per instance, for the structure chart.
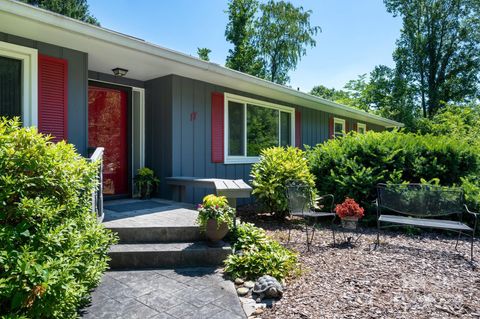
(230, 188)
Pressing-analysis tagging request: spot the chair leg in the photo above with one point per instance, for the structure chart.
(471, 246)
(313, 231)
(458, 238)
(289, 231)
(333, 231)
(378, 236)
(306, 231)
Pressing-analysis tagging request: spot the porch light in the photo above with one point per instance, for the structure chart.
(119, 72)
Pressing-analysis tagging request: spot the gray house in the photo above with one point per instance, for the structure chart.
(151, 106)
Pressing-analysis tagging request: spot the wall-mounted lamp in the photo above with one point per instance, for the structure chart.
(119, 72)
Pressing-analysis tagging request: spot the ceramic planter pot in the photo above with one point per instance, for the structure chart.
(215, 232)
(350, 222)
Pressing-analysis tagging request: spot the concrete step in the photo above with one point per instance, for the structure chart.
(158, 234)
(164, 255)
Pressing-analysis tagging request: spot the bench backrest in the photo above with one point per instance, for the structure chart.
(420, 199)
(298, 196)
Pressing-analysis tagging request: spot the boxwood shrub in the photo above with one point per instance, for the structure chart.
(352, 166)
(276, 167)
(52, 250)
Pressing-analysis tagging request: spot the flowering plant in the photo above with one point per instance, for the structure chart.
(215, 207)
(349, 208)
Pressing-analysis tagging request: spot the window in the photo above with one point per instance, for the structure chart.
(253, 125)
(338, 127)
(361, 128)
(18, 82)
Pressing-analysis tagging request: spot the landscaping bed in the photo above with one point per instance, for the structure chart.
(407, 277)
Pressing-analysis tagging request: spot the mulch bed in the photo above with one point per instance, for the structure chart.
(407, 277)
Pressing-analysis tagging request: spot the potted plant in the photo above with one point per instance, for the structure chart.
(146, 182)
(349, 212)
(215, 218)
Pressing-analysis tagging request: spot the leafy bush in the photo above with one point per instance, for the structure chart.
(276, 167)
(352, 166)
(256, 255)
(52, 250)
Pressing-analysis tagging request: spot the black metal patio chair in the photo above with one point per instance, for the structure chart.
(301, 204)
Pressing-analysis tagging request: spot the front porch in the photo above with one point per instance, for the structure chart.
(158, 233)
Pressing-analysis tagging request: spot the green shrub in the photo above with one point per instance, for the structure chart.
(52, 250)
(276, 167)
(256, 255)
(352, 166)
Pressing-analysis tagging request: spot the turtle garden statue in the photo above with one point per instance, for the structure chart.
(268, 287)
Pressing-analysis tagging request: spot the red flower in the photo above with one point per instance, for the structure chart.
(349, 208)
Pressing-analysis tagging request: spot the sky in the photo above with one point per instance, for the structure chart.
(356, 34)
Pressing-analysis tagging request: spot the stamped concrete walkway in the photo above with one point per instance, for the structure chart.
(165, 294)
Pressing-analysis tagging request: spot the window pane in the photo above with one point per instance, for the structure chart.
(285, 128)
(10, 87)
(262, 129)
(338, 127)
(236, 129)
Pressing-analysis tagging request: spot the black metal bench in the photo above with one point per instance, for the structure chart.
(423, 206)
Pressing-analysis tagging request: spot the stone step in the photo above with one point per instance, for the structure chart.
(158, 234)
(163, 255)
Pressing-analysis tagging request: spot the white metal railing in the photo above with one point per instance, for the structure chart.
(97, 195)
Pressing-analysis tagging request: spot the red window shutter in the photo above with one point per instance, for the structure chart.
(355, 126)
(331, 132)
(298, 129)
(218, 127)
(52, 97)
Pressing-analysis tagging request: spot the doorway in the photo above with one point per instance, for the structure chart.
(108, 127)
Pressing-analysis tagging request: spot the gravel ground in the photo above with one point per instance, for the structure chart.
(407, 277)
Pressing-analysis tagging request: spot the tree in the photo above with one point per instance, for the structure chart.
(203, 53)
(76, 9)
(240, 32)
(328, 94)
(438, 51)
(283, 32)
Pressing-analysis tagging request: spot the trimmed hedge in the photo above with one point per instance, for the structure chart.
(52, 250)
(352, 166)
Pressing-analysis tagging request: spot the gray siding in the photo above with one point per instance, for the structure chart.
(178, 131)
(77, 86)
(158, 129)
(191, 138)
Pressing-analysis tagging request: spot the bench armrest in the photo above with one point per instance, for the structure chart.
(475, 215)
(470, 212)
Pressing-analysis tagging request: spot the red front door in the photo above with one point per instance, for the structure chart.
(107, 127)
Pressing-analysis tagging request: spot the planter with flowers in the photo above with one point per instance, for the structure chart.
(349, 212)
(215, 218)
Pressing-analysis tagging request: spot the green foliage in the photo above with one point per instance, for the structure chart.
(276, 167)
(52, 249)
(283, 21)
(215, 207)
(438, 50)
(256, 255)
(146, 181)
(240, 31)
(459, 121)
(76, 9)
(203, 53)
(352, 166)
(257, 49)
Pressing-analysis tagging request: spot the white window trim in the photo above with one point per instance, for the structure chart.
(337, 120)
(361, 125)
(29, 58)
(245, 100)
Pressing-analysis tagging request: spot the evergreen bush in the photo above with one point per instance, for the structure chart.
(353, 165)
(52, 249)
